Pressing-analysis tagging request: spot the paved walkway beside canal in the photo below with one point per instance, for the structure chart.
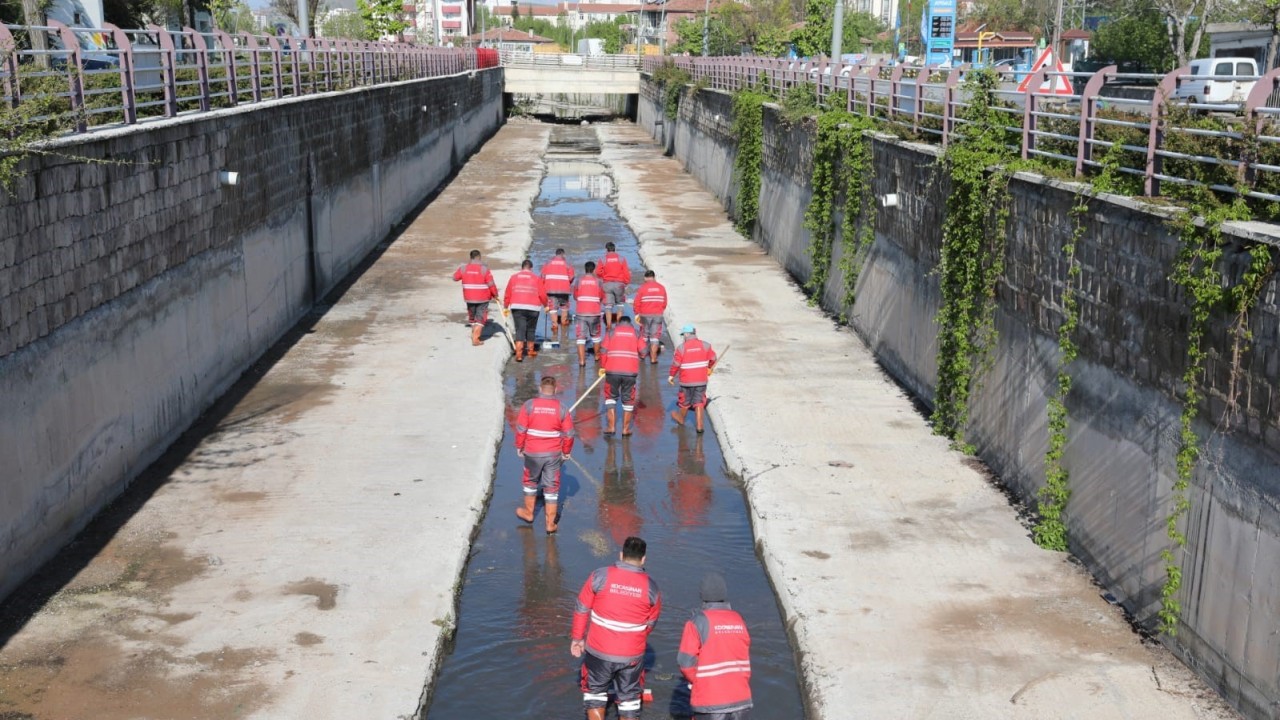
(913, 589)
(301, 561)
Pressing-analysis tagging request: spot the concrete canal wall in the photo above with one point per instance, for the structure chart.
(135, 287)
(1124, 406)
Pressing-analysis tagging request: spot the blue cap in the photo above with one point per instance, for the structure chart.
(687, 330)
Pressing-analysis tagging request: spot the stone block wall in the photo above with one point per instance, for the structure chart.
(135, 287)
(1124, 404)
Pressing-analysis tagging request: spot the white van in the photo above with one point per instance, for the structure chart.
(1218, 80)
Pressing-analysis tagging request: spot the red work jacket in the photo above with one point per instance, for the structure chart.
(525, 292)
(651, 299)
(587, 296)
(543, 427)
(622, 349)
(621, 603)
(477, 283)
(613, 268)
(557, 276)
(692, 361)
(715, 657)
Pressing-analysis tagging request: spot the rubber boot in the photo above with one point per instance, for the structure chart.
(530, 504)
(475, 335)
(533, 348)
(582, 355)
(698, 413)
(519, 351)
(626, 422)
(550, 511)
(612, 416)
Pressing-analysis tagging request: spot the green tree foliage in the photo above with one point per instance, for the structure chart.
(383, 18)
(346, 25)
(1029, 15)
(614, 36)
(1140, 38)
(289, 9)
(232, 16)
(721, 40)
(815, 37)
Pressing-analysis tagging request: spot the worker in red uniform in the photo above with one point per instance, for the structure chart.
(588, 298)
(615, 276)
(617, 609)
(544, 438)
(524, 299)
(693, 364)
(650, 304)
(620, 364)
(715, 656)
(557, 278)
(478, 289)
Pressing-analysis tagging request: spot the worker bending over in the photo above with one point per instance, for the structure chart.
(650, 304)
(715, 656)
(524, 299)
(557, 278)
(587, 298)
(544, 438)
(693, 364)
(617, 609)
(615, 276)
(478, 289)
(620, 364)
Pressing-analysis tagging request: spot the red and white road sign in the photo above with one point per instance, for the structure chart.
(1060, 85)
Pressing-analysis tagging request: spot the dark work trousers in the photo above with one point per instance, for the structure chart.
(526, 322)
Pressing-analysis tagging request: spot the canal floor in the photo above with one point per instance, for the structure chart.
(665, 483)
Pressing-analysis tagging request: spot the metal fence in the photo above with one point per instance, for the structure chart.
(101, 76)
(1060, 118)
(523, 58)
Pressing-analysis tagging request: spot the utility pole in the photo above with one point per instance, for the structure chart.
(837, 31)
(304, 21)
(706, 24)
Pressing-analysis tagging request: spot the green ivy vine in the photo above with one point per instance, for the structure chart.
(973, 248)
(748, 128)
(672, 81)
(1196, 271)
(842, 180)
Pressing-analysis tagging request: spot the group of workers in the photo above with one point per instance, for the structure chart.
(619, 604)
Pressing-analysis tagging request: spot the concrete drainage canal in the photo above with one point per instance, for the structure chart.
(667, 484)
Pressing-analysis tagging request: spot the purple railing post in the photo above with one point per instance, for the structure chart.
(201, 49)
(75, 71)
(296, 65)
(255, 64)
(895, 89)
(277, 65)
(1257, 98)
(923, 75)
(948, 101)
(1029, 110)
(228, 45)
(1088, 113)
(873, 75)
(9, 65)
(124, 48)
(1155, 135)
(168, 63)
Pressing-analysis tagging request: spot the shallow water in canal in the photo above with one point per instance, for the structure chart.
(510, 656)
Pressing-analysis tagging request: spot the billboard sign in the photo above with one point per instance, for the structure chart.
(938, 28)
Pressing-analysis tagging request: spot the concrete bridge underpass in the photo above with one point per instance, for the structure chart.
(568, 86)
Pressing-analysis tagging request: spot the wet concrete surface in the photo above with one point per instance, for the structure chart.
(666, 484)
(295, 554)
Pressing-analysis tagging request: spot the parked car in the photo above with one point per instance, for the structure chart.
(1218, 80)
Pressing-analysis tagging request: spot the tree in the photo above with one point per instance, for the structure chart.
(1267, 14)
(1031, 16)
(346, 25)
(1185, 21)
(815, 37)
(1138, 38)
(289, 9)
(383, 18)
(231, 16)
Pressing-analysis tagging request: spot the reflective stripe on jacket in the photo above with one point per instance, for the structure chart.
(613, 268)
(621, 604)
(524, 292)
(557, 276)
(622, 349)
(544, 427)
(588, 296)
(477, 283)
(692, 361)
(715, 657)
(651, 299)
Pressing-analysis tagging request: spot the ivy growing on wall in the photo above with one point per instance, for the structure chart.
(841, 183)
(671, 81)
(748, 128)
(973, 247)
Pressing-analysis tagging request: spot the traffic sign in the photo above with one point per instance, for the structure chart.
(1060, 85)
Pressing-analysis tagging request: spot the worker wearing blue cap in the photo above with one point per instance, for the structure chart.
(693, 364)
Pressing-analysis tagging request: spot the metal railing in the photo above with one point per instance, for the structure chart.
(517, 58)
(1059, 117)
(108, 75)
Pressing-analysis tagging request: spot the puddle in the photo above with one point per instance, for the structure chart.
(510, 655)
